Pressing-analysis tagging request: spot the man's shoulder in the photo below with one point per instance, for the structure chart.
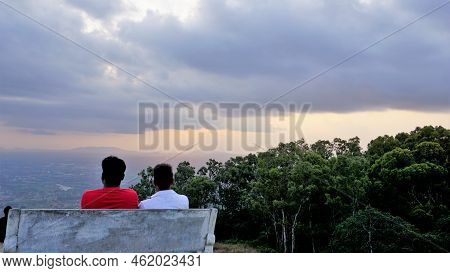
(128, 191)
(146, 201)
(145, 204)
(182, 196)
(183, 201)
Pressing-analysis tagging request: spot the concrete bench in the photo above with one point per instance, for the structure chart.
(94, 231)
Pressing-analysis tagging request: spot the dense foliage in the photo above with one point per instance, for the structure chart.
(331, 195)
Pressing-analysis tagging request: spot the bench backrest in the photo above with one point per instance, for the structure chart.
(128, 231)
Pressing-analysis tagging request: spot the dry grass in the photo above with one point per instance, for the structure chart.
(233, 248)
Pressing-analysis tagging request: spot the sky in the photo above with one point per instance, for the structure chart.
(54, 95)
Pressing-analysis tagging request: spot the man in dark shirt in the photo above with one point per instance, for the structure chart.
(3, 222)
(111, 196)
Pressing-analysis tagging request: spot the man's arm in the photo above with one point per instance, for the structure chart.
(84, 202)
(136, 200)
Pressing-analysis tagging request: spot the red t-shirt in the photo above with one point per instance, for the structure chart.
(109, 198)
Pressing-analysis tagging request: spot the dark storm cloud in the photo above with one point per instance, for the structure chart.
(47, 83)
(248, 52)
(289, 42)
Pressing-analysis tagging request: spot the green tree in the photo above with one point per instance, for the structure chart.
(323, 148)
(200, 190)
(436, 134)
(288, 177)
(212, 169)
(344, 147)
(350, 182)
(381, 145)
(371, 230)
(428, 151)
(183, 174)
(389, 182)
(236, 220)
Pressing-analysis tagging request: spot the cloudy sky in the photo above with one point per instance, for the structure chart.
(55, 95)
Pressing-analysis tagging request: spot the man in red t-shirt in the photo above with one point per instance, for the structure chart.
(111, 196)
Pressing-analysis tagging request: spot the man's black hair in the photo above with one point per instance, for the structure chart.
(6, 210)
(163, 176)
(113, 171)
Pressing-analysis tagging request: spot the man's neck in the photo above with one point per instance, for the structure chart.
(157, 190)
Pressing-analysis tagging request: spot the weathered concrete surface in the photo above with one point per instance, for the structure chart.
(34, 231)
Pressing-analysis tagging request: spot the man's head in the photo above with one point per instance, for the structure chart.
(113, 171)
(6, 210)
(163, 176)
